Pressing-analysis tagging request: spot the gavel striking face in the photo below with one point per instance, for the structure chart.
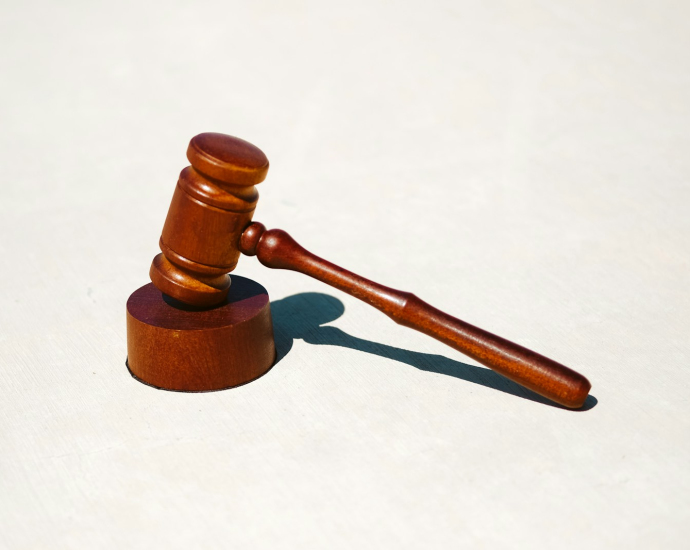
(209, 224)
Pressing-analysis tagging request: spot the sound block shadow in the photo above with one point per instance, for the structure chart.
(301, 316)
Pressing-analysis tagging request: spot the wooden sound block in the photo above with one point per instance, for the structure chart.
(174, 346)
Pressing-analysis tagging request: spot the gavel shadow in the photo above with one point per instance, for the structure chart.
(301, 316)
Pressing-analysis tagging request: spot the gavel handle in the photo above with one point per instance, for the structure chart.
(276, 249)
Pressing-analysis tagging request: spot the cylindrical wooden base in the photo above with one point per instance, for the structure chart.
(177, 347)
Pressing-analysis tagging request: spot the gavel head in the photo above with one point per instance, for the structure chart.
(213, 203)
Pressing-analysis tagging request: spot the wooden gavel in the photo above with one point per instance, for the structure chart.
(209, 224)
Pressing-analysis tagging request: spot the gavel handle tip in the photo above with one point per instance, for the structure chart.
(250, 238)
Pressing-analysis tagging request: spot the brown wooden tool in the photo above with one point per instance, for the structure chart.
(209, 224)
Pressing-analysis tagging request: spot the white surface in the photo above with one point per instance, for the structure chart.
(523, 165)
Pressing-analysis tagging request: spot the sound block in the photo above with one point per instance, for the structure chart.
(173, 346)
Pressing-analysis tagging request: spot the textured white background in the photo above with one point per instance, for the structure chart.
(523, 165)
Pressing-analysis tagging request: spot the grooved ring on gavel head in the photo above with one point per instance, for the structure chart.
(213, 202)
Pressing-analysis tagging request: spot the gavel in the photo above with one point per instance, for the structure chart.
(209, 224)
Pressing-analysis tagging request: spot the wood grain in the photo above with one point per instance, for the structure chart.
(209, 224)
(213, 202)
(176, 347)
